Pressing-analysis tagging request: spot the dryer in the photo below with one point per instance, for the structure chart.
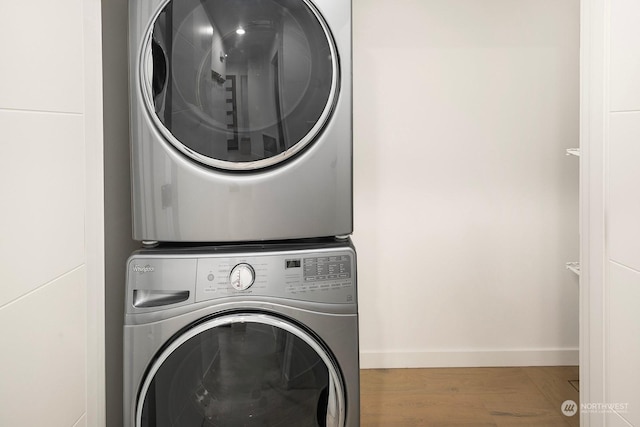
(241, 125)
(242, 336)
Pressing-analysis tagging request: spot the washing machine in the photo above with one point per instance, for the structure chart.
(242, 335)
(241, 126)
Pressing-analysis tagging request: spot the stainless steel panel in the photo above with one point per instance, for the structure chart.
(274, 279)
(316, 276)
(177, 199)
(333, 321)
(339, 333)
(169, 275)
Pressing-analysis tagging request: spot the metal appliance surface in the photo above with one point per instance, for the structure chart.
(263, 334)
(241, 123)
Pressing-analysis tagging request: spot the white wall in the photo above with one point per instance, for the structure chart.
(465, 204)
(610, 211)
(622, 316)
(51, 224)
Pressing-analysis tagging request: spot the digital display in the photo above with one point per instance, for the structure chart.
(292, 263)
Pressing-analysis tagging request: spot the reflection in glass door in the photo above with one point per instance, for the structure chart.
(226, 78)
(276, 97)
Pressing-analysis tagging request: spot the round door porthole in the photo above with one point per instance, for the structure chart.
(239, 85)
(245, 370)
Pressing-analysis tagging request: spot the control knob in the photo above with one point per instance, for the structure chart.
(242, 276)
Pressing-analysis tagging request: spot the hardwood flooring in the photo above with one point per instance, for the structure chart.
(491, 397)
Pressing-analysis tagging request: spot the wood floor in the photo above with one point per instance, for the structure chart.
(491, 397)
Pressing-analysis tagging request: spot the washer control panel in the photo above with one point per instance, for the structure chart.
(326, 277)
(156, 282)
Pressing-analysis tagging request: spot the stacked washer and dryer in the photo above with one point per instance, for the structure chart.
(241, 305)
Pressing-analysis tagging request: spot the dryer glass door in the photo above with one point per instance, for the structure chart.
(242, 370)
(239, 85)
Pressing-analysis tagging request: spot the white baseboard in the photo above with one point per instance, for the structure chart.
(459, 359)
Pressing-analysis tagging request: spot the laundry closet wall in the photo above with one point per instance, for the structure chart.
(465, 203)
(117, 194)
(51, 223)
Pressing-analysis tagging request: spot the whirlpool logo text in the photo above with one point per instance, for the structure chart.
(143, 268)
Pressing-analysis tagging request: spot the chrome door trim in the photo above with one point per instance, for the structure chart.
(335, 404)
(146, 70)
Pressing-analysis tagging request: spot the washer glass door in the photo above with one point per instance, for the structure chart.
(242, 370)
(239, 85)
